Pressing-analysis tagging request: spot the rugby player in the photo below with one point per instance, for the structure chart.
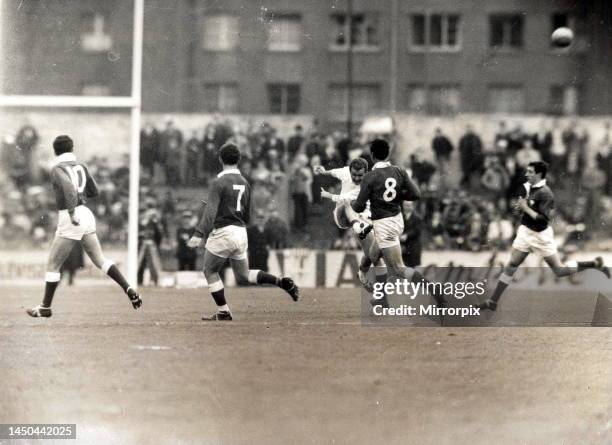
(345, 217)
(535, 235)
(223, 225)
(386, 186)
(72, 184)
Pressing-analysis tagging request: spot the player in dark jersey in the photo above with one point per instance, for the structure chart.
(224, 227)
(536, 235)
(72, 184)
(386, 186)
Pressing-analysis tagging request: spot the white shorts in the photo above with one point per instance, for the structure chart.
(387, 231)
(228, 242)
(542, 243)
(65, 228)
(342, 220)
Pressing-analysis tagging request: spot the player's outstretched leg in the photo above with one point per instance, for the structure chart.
(572, 267)
(212, 265)
(60, 249)
(516, 259)
(92, 247)
(246, 276)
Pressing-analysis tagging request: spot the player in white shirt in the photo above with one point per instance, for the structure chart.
(345, 217)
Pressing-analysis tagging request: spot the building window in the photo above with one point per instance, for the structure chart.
(564, 100)
(95, 89)
(506, 31)
(435, 31)
(94, 37)
(285, 33)
(433, 99)
(366, 100)
(284, 98)
(361, 29)
(220, 33)
(222, 98)
(506, 99)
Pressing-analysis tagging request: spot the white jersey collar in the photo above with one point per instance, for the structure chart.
(64, 157)
(229, 172)
(538, 185)
(381, 164)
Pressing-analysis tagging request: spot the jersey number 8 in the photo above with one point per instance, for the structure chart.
(390, 191)
(77, 177)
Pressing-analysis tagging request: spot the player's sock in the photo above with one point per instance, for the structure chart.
(218, 293)
(109, 268)
(502, 284)
(582, 265)
(261, 277)
(52, 280)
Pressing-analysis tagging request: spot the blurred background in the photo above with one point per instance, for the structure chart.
(467, 93)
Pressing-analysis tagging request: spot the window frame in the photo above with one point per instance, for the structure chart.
(333, 47)
(427, 46)
(203, 41)
(296, 17)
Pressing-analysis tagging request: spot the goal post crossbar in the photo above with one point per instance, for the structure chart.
(132, 102)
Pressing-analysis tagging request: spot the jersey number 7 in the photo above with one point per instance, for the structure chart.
(240, 189)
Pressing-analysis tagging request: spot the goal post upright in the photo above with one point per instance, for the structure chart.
(133, 102)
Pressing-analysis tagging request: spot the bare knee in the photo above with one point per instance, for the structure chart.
(242, 280)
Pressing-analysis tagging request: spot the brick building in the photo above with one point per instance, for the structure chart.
(290, 56)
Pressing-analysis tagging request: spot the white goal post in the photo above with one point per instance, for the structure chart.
(133, 102)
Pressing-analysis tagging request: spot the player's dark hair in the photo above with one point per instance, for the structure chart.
(359, 164)
(62, 144)
(540, 167)
(229, 154)
(379, 149)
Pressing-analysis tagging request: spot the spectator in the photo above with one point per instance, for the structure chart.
(192, 160)
(258, 243)
(295, 143)
(170, 145)
(412, 246)
(495, 180)
(558, 151)
(603, 159)
(442, 148)
(277, 231)
(542, 142)
(273, 147)
(422, 170)
(14, 161)
(210, 165)
(301, 191)
(149, 149)
(27, 140)
(472, 161)
(149, 241)
(502, 138)
(185, 256)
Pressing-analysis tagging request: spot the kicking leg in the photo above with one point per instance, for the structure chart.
(572, 267)
(516, 259)
(92, 248)
(360, 226)
(246, 276)
(212, 266)
(60, 249)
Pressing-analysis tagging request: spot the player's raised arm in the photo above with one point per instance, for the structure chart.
(411, 190)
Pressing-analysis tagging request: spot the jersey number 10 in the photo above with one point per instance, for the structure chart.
(77, 177)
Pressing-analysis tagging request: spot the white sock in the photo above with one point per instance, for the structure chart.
(224, 308)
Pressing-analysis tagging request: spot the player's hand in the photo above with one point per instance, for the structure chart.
(74, 220)
(318, 170)
(521, 204)
(325, 193)
(194, 242)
